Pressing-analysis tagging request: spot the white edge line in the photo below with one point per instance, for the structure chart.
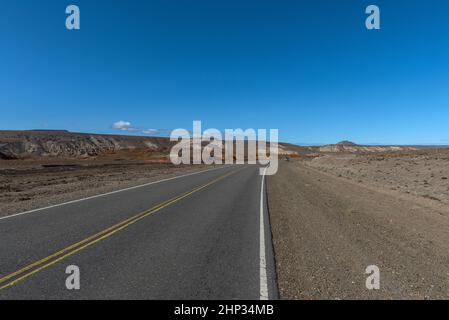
(262, 259)
(109, 193)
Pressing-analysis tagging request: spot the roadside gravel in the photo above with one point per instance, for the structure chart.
(327, 230)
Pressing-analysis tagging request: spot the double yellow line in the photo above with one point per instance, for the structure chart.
(46, 262)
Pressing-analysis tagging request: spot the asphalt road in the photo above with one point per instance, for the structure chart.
(194, 237)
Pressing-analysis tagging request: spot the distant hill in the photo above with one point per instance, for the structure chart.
(351, 147)
(61, 144)
(346, 143)
(64, 144)
(40, 144)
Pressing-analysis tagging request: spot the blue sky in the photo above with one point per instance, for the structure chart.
(307, 68)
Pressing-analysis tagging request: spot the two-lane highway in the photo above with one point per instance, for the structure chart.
(200, 236)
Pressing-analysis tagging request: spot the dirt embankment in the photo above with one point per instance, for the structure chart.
(327, 230)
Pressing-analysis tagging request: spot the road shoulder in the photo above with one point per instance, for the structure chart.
(326, 231)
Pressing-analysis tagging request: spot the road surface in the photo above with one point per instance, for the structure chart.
(201, 236)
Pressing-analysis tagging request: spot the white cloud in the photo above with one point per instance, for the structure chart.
(158, 132)
(123, 125)
(151, 131)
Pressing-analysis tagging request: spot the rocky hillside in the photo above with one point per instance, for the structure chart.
(350, 147)
(64, 144)
(67, 145)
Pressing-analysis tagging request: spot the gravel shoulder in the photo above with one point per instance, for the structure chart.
(327, 230)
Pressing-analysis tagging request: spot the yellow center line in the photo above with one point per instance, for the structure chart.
(78, 246)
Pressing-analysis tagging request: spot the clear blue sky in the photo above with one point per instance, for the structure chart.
(308, 68)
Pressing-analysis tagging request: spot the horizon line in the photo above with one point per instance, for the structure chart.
(301, 144)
